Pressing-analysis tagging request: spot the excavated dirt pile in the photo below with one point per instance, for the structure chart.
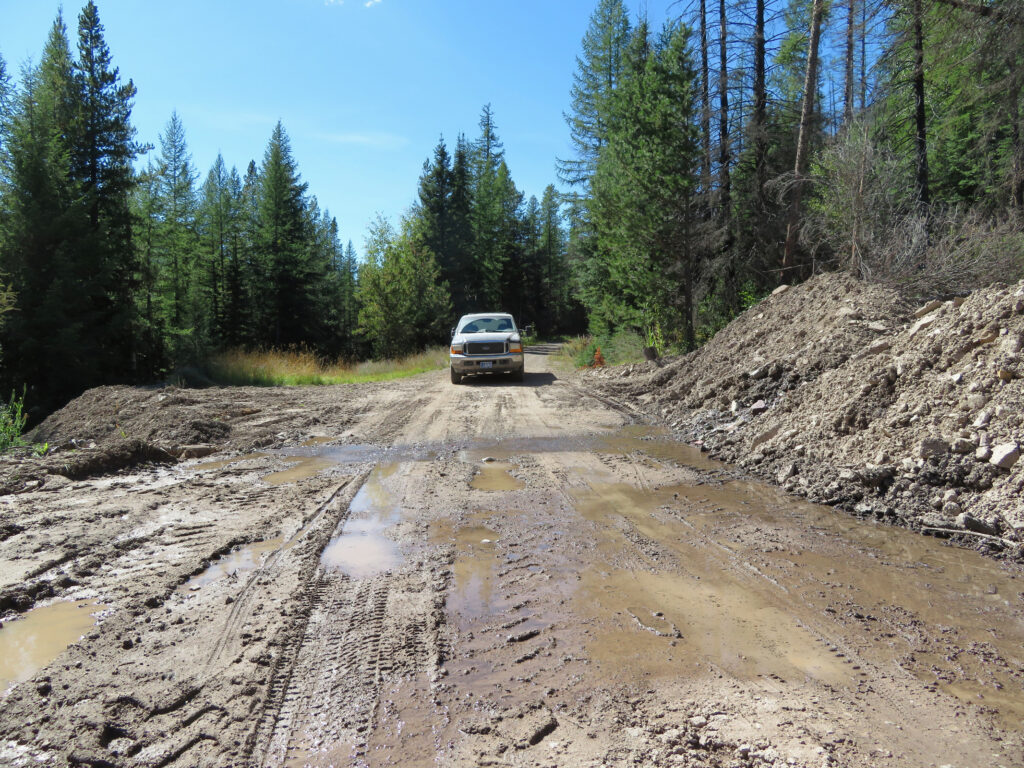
(842, 392)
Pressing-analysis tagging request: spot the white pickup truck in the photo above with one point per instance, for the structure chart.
(486, 343)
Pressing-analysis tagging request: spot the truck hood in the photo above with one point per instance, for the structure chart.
(462, 338)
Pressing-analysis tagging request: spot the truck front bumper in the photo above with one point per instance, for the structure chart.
(467, 364)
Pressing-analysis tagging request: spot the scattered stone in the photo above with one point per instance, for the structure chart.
(983, 418)
(781, 289)
(931, 446)
(878, 347)
(1005, 374)
(951, 508)
(970, 523)
(920, 325)
(1005, 455)
(759, 407)
(976, 400)
(928, 308)
(698, 721)
(786, 472)
(984, 453)
(962, 446)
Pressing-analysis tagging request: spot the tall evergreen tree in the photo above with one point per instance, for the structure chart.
(177, 239)
(403, 304)
(598, 70)
(644, 188)
(45, 341)
(280, 240)
(102, 157)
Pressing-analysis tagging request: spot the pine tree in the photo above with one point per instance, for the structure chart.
(403, 303)
(349, 304)
(102, 156)
(644, 189)
(215, 222)
(280, 244)
(177, 243)
(597, 74)
(43, 222)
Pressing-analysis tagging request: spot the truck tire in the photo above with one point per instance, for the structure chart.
(456, 379)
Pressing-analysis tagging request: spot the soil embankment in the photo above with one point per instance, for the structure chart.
(414, 573)
(843, 393)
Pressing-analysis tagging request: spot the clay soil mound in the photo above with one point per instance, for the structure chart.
(841, 392)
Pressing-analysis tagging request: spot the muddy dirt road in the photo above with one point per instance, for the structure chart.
(417, 573)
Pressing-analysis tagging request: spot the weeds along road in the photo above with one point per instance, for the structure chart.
(484, 574)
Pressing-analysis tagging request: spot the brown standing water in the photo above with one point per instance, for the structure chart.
(596, 595)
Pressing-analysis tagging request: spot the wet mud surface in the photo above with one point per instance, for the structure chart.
(494, 574)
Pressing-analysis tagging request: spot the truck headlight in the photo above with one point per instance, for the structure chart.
(457, 349)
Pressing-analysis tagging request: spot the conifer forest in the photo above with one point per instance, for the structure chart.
(715, 156)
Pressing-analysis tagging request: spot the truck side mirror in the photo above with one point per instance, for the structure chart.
(453, 333)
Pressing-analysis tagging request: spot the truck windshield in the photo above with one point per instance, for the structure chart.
(488, 325)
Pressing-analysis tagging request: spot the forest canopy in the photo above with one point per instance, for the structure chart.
(713, 157)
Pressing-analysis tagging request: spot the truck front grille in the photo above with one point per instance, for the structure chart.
(486, 347)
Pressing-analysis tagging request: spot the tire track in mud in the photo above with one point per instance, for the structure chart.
(312, 539)
(358, 636)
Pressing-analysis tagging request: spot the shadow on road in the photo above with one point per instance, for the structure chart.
(497, 380)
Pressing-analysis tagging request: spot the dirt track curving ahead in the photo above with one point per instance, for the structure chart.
(416, 573)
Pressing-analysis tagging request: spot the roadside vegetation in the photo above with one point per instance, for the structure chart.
(617, 349)
(304, 368)
(707, 167)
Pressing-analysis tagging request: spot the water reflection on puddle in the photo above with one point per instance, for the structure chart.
(221, 463)
(29, 643)
(804, 561)
(362, 549)
(304, 467)
(242, 560)
(476, 557)
(496, 476)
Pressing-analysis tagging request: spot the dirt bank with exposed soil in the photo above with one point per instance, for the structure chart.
(414, 573)
(843, 393)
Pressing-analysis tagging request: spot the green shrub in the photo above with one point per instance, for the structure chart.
(12, 422)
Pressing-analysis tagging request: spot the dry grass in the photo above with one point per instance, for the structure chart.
(270, 368)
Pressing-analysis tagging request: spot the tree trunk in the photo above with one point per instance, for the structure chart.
(760, 114)
(724, 160)
(863, 55)
(705, 114)
(1017, 178)
(725, 189)
(804, 137)
(848, 84)
(920, 122)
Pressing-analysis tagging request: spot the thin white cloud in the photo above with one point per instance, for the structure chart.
(389, 141)
(370, 3)
(334, 2)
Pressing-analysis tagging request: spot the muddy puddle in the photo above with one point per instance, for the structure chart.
(362, 548)
(236, 563)
(34, 640)
(739, 578)
(303, 467)
(496, 476)
(206, 466)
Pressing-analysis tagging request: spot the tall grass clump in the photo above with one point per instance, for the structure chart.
(618, 349)
(12, 423)
(301, 367)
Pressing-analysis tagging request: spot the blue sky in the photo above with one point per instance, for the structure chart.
(364, 89)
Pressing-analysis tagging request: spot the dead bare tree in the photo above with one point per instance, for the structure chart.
(804, 136)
